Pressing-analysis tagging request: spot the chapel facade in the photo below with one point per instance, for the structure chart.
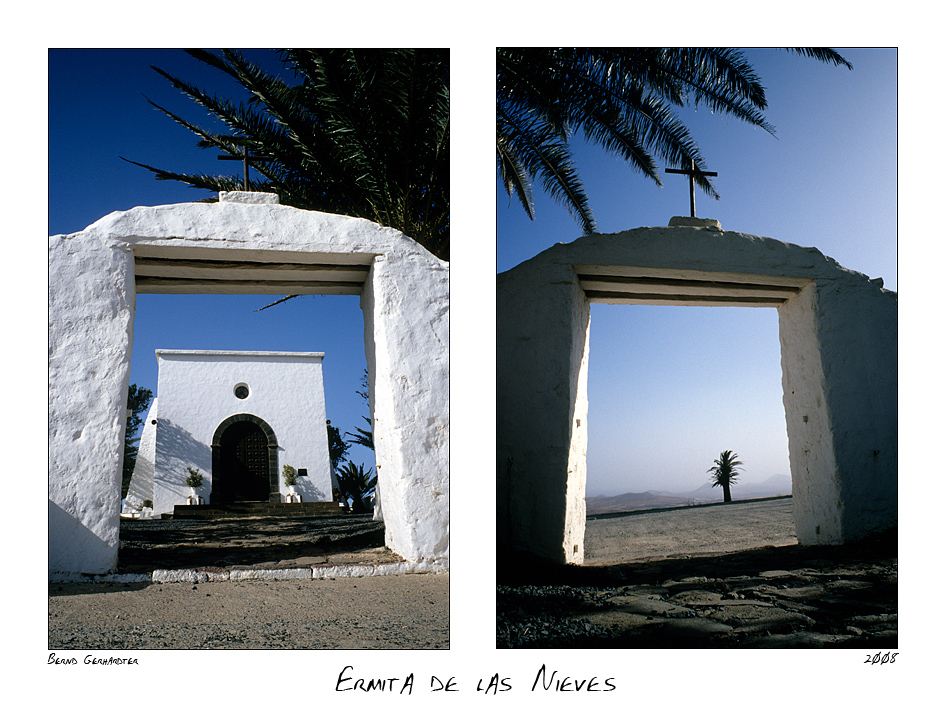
(237, 419)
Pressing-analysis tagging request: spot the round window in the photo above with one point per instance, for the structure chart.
(241, 391)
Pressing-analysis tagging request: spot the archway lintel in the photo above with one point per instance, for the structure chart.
(220, 252)
(188, 269)
(244, 417)
(662, 286)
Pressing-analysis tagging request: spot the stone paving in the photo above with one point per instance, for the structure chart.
(262, 543)
(792, 597)
(253, 548)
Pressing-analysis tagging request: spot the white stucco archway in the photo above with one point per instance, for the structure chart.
(245, 243)
(839, 339)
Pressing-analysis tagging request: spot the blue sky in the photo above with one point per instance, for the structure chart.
(98, 113)
(669, 388)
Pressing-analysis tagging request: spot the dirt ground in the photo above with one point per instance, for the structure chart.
(400, 612)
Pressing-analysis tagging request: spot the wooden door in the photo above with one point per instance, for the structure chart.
(244, 455)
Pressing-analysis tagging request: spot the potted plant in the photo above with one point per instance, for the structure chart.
(194, 480)
(290, 480)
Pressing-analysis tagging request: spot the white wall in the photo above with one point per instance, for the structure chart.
(92, 290)
(839, 338)
(407, 338)
(142, 480)
(542, 411)
(196, 391)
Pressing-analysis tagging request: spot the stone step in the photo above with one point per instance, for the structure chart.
(263, 509)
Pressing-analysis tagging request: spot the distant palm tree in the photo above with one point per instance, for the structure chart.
(362, 436)
(724, 473)
(619, 98)
(364, 133)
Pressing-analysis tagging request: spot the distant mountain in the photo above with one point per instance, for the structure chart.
(601, 504)
(631, 501)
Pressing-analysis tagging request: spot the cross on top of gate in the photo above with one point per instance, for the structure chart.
(693, 173)
(245, 157)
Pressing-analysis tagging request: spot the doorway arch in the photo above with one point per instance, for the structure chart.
(244, 461)
(245, 243)
(839, 340)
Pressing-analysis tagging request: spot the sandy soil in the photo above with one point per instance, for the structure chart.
(402, 612)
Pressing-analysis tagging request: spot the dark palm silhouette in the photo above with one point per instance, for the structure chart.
(363, 133)
(357, 485)
(724, 473)
(621, 99)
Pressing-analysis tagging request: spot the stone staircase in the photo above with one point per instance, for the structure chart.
(257, 509)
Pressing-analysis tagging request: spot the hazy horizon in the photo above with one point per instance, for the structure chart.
(656, 487)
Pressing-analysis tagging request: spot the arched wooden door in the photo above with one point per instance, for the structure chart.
(242, 463)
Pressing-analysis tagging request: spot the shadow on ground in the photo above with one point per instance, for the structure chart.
(177, 544)
(794, 596)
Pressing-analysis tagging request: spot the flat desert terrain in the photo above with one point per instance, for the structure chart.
(700, 529)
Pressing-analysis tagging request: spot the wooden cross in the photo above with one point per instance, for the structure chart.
(245, 157)
(692, 172)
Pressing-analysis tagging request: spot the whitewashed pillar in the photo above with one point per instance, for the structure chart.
(91, 315)
(542, 411)
(839, 355)
(407, 338)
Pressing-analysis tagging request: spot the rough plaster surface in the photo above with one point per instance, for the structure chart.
(197, 394)
(839, 343)
(405, 302)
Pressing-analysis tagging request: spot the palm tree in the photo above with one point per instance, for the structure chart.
(724, 473)
(337, 446)
(364, 436)
(619, 98)
(356, 484)
(363, 133)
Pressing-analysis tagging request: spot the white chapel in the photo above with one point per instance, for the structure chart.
(237, 418)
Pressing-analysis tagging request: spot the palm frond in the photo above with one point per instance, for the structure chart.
(276, 302)
(215, 183)
(620, 99)
(548, 158)
(363, 133)
(826, 55)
